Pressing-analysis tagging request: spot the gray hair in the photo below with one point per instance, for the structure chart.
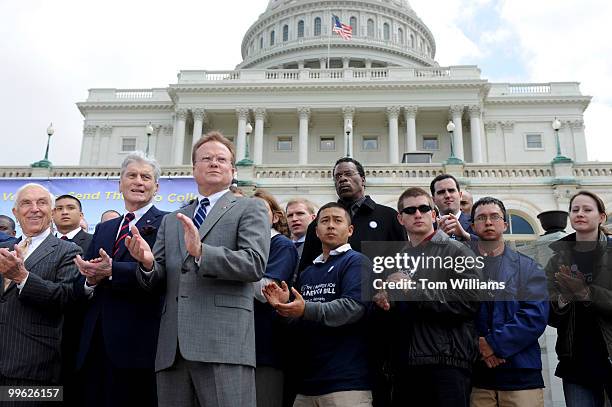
(140, 157)
(30, 185)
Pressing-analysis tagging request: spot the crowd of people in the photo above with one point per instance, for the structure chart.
(235, 301)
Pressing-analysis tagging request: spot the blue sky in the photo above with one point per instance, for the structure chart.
(53, 52)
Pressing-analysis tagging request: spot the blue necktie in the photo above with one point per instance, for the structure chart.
(200, 214)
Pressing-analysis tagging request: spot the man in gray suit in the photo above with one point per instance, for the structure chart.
(205, 259)
(36, 283)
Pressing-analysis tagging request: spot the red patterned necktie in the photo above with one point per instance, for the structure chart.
(123, 232)
(64, 237)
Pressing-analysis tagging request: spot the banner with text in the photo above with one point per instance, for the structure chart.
(100, 194)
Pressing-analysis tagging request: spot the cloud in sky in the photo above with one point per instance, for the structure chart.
(58, 50)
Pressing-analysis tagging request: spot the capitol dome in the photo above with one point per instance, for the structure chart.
(293, 34)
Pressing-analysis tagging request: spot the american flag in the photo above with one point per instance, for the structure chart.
(345, 31)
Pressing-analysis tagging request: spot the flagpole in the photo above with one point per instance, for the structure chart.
(331, 32)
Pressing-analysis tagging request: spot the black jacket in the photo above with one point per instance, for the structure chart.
(437, 327)
(372, 222)
(601, 294)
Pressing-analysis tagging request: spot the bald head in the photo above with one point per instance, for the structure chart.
(467, 200)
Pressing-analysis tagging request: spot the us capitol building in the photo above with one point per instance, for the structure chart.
(302, 97)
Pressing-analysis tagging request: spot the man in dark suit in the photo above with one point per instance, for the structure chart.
(67, 216)
(118, 341)
(36, 282)
(205, 260)
(447, 197)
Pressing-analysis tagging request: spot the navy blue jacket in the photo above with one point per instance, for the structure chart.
(128, 316)
(514, 321)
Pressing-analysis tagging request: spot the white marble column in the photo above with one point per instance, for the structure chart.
(348, 113)
(456, 114)
(507, 134)
(242, 113)
(579, 142)
(368, 63)
(260, 116)
(106, 131)
(304, 114)
(179, 141)
(322, 63)
(410, 116)
(199, 116)
(345, 62)
(89, 150)
(491, 138)
(393, 114)
(475, 132)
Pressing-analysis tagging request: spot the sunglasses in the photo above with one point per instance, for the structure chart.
(411, 210)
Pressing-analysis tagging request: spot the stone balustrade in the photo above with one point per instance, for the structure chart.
(316, 172)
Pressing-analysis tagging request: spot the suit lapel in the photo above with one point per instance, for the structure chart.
(222, 206)
(46, 247)
(147, 219)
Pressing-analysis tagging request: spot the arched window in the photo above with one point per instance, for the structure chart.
(272, 34)
(285, 33)
(386, 31)
(260, 42)
(370, 28)
(353, 23)
(300, 29)
(317, 26)
(411, 40)
(400, 36)
(518, 225)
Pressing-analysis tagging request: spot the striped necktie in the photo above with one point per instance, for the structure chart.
(124, 231)
(200, 214)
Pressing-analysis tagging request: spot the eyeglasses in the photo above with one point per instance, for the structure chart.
(495, 217)
(411, 210)
(209, 159)
(347, 174)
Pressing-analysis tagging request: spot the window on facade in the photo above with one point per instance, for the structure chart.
(300, 29)
(327, 144)
(353, 24)
(370, 28)
(411, 40)
(260, 42)
(272, 35)
(317, 26)
(386, 31)
(128, 144)
(518, 225)
(431, 143)
(533, 141)
(284, 144)
(369, 143)
(400, 36)
(285, 33)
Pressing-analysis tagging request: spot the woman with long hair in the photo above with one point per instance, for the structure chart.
(580, 283)
(269, 334)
